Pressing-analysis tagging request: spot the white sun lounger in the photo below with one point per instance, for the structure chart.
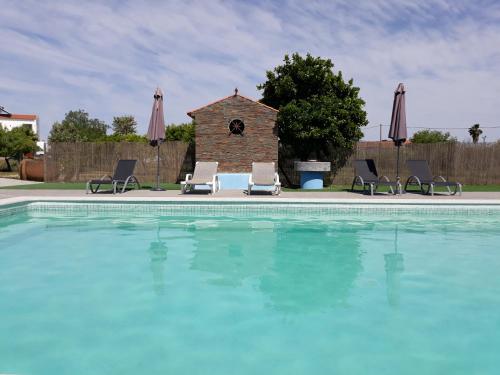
(205, 173)
(264, 174)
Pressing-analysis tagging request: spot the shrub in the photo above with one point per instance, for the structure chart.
(182, 132)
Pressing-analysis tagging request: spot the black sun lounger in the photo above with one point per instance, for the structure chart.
(421, 175)
(124, 175)
(367, 176)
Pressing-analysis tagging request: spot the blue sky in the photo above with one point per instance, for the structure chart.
(108, 57)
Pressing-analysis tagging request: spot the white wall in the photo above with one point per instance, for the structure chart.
(41, 145)
(9, 123)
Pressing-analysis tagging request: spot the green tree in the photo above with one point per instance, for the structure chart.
(475, 132)
(318, 110)
(4, 146)
(125, 138)
(432, 136)
(181, 132)
(124, 125)
(78, 127)
(16, 142)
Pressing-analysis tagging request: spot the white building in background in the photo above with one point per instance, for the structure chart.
(42, 147)
(13, 120)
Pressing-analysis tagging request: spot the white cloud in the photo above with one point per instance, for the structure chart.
(107, 58)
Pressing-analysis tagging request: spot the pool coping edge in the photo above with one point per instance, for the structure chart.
(356, 201)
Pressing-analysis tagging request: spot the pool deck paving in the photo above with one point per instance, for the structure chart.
(6, 182)
(17, 195)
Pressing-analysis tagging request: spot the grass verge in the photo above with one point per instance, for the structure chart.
(80, 186)
(149, 185)
(466, 188)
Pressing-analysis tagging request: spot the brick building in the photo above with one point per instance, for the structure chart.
(235, 131)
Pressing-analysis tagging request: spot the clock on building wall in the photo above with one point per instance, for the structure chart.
(236, 127)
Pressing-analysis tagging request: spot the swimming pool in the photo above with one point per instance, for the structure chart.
(129, 288)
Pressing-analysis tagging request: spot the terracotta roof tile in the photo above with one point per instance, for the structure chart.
(16, 116)
(227, 97)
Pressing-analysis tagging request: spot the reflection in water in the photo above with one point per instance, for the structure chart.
(233, 251)
(394, 267)
(158, 256)
(299, 268)
(314, 268)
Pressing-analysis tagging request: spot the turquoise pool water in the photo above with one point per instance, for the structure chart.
(125, 291)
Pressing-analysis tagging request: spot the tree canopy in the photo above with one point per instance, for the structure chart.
(78, 127)
(182, 132)
(16, 142)
(432, 136)
(475, 132)
(318, 110)
(124, 125)
(124, 138)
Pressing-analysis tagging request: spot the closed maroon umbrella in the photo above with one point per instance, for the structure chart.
(156, 131)
(397, 131)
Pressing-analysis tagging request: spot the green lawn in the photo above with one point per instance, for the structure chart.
(147, 186)
(481, 187)
(81, 186)
(328, 188)
(469, 188)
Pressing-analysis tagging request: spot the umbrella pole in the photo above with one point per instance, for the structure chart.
(158, 166)
(398, 179)
(397, 165)
(158, 188)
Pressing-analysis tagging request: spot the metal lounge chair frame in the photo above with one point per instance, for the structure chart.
(205, 173)
(264, 174)
(367, 176)
(123, 176)
(421, 176)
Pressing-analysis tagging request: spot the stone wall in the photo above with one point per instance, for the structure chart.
(235, 153)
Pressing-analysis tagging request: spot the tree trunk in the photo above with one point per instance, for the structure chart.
(9, 167)
(288, 181)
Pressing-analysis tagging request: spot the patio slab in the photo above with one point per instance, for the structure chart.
(238, 195)
(5, 182)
